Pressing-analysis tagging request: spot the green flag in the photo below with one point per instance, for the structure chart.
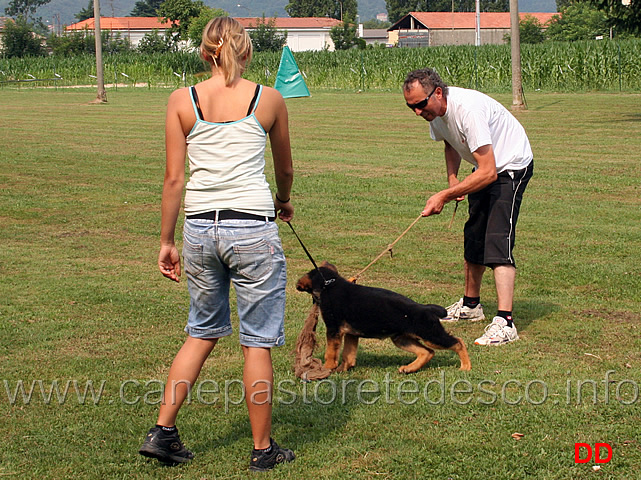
(289, 81)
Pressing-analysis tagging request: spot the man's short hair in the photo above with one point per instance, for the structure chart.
(427, 77)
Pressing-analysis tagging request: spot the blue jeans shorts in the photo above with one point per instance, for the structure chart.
(247, 254)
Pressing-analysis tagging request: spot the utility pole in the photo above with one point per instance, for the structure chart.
(100, 76)
(515, 41)
(477, 26)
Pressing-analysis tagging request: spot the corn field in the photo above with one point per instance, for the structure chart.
(576, 66)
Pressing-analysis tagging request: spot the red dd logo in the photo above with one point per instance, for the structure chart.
(579, 447)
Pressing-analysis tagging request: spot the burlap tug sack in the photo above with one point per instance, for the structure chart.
(307, 367)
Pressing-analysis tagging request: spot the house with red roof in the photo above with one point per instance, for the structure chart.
(308, 33)
(424, 29)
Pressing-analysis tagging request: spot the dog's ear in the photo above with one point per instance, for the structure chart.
(304, 283)
(329, 266)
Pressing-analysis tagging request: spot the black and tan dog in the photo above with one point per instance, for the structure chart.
(352, 311)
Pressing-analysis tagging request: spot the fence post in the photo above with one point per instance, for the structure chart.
(362, 72)
(620, 80)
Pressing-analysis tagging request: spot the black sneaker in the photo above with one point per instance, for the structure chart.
(262, 461)
(166, 447)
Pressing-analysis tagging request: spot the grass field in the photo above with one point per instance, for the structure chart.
(88, 326)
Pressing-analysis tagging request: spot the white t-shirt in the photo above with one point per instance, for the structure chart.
(473, 120)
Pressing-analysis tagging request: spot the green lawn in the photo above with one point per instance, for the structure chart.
(82, 304)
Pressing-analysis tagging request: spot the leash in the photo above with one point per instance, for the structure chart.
(453, 214)
(309, 255)
(388, 249)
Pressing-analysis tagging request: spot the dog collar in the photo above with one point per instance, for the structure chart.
(329, 282)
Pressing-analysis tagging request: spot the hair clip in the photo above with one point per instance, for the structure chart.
(219, 47)
(216, 54)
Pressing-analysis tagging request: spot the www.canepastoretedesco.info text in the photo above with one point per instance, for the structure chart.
(391, 390)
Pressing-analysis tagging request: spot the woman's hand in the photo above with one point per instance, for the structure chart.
(285, 210)
(169, 262)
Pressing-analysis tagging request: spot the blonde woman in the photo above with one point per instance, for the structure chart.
(229, 235)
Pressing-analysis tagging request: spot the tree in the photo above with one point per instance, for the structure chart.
(154, 42)
(83, 42)
(530, 31)
(577, 21)
(344, 10)
(180, 13)
(343, 36)
(397, 9)
(146, 8)
(624, 16)
(85, 13)
(77, 42)
(265, 37)
(308, 8)
(198, 24)
(374, 23)
(24, 8)
(19, 40)
(338, 9)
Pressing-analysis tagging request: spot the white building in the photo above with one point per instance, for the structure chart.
(305, 33)
(308, 33)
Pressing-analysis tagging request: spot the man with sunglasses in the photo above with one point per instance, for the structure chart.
(481, 131)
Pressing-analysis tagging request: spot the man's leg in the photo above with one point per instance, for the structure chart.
(473, 279)
(469, 307)
(504, 277)
(502, 329)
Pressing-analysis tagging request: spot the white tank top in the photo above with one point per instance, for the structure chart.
(226, 165)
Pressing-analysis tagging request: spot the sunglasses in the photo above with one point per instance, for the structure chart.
(423, 103)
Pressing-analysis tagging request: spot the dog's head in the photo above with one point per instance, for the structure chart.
(313, 281)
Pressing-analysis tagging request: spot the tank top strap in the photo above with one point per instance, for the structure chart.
(254, 103)
(195, 103)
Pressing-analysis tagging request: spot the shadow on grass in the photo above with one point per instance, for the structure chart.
(543, 107)
(630, 117)
(525, 312)
(303, 414)
(528, 311)
(442, 358)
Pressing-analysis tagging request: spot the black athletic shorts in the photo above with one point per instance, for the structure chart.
(489, 232)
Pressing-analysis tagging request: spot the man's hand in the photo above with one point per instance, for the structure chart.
(434, 205)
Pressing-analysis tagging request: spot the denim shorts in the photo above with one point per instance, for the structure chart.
(489, 233)
(247, 254)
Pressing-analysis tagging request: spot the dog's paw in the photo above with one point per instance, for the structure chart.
(331, 366)
(343, 367)
(407, 369)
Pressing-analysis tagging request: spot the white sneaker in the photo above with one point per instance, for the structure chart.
(457, 311)
(498, 333)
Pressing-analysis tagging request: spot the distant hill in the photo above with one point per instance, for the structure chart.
(63, 11)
